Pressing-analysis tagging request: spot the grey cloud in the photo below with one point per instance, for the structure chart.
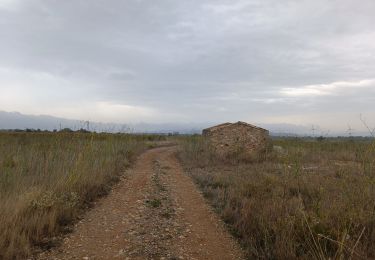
(190, 60)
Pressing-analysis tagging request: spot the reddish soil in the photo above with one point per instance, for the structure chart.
(154, 212)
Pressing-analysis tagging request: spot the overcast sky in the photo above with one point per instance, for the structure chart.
(261, 61)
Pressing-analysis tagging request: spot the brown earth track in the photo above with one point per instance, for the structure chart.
(155, 212)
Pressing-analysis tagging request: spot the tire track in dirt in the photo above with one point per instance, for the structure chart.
(155, 212)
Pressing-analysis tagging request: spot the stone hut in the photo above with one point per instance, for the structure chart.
(237, 139)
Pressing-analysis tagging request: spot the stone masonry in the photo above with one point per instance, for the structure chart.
(237, 139)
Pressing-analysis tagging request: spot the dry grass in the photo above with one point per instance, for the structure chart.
(46, 179)
(314, 200)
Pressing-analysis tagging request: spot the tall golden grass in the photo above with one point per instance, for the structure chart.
(46, 179)
(309, 200)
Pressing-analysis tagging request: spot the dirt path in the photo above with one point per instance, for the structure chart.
(154, 213)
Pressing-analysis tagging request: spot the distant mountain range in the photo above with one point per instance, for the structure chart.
(16, 120)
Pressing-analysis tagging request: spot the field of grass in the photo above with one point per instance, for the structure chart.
(309, 200)
(46, 179)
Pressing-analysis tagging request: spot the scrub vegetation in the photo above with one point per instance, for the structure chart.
(306, 199)
(47, 179)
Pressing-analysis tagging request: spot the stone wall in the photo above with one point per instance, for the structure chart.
(238, 139)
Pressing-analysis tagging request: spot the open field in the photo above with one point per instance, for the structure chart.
(309, 200)
(46, 179)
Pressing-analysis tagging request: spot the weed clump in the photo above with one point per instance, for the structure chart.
(155, 203)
